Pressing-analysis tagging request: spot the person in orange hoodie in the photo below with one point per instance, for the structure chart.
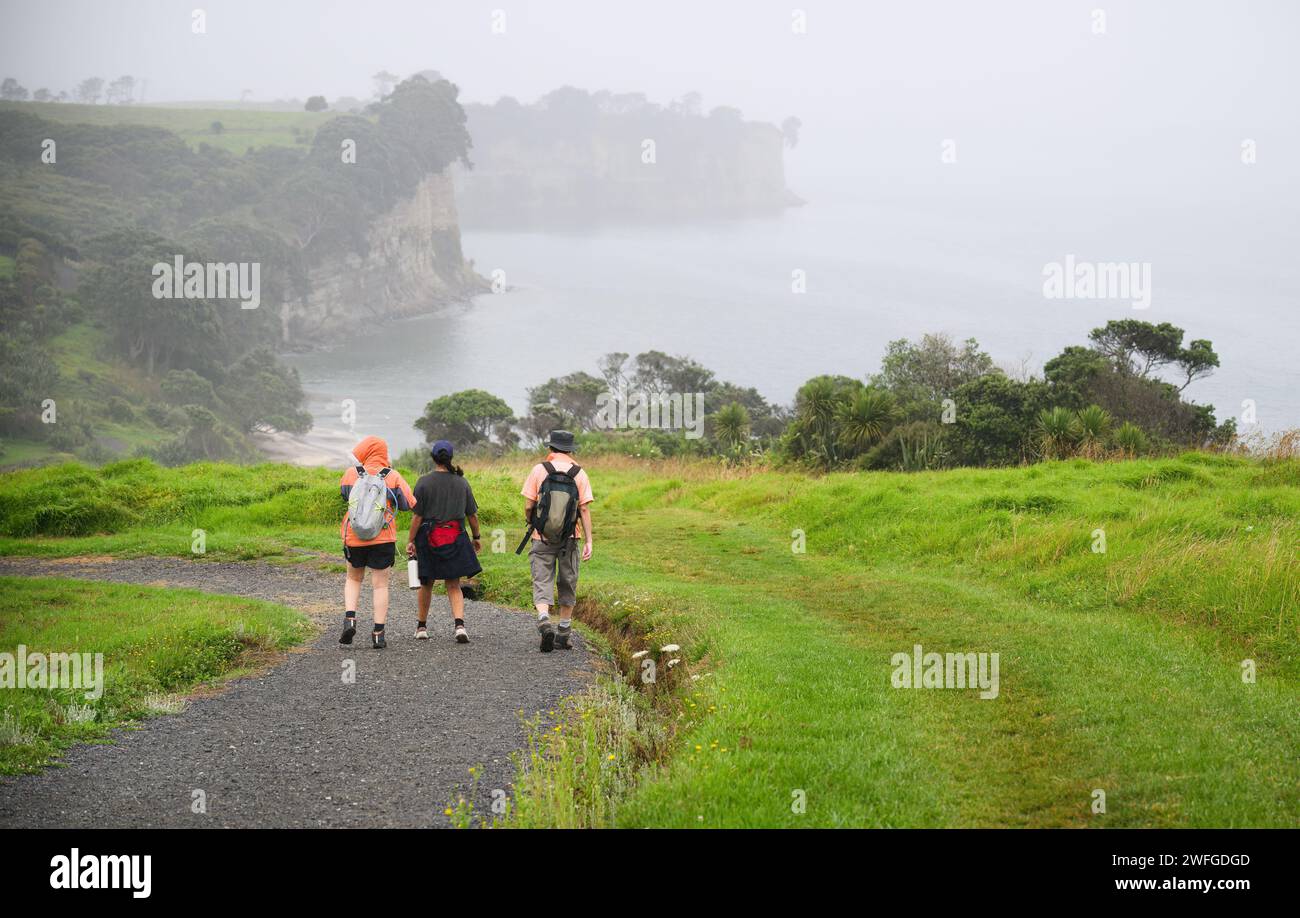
(378, 553)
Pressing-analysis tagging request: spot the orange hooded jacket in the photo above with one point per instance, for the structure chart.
(372, 453)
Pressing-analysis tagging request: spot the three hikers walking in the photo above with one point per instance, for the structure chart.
(444, 536)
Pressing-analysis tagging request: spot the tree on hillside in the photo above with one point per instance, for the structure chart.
(465, 418)
(384, 81)
(567, 402)
(262, 392)
(1197, 361)
(1118, 374)
(121, 90)
(27, 376)
(89, 90)
(1137, 348)
(922, 374)
(790, 131)
(12, 91)
(316, 104)
(152, 332)
(1071, 373)
(995, 420)
(655, 372)
(688, 106)
(426, 121)
(42, 95)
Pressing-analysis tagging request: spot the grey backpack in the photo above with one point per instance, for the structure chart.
(368, 511)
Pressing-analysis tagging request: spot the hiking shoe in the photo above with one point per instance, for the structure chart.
(421, 632)
(548, 637)
(377, 640)
(562, 639)
(462, 636)
(349, 630)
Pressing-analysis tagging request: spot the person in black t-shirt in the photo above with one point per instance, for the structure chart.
(443, 549)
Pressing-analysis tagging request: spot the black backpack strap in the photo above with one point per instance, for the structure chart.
(550, 469)
(384, 471)
(361, 469)
(573, 470)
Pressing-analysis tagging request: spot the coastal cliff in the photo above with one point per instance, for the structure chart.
(412, 263)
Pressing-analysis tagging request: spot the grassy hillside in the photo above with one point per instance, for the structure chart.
(87, 374)
(1120, 671)
(240, 128)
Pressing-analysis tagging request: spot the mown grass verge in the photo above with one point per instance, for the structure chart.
(158, 645)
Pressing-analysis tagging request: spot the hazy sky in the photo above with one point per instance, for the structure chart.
(1025, 88)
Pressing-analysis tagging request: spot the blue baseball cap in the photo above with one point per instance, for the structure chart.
(442, 446)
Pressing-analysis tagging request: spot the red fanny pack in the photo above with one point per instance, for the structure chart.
(441, 534)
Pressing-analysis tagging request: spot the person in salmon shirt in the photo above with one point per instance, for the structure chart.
(378, 553)
(555, 567)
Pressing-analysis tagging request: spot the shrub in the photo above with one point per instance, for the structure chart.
(1131, 440)
(918, 446)
(185, 387)
(119, 410)
(1092, 427)
(1057, 433)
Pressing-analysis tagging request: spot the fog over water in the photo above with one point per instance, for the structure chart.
(877, 269)
(1124, 146)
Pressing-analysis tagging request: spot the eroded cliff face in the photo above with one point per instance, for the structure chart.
(413, 264)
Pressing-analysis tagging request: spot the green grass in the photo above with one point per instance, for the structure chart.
(1120, 671)
(242, 128)
(157, 645)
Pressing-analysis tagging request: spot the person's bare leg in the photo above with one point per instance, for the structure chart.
(351, 598)
(456, 599)
(352, 588)
(422, 601)
(379, 590)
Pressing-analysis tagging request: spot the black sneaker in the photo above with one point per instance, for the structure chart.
(548, 637)
(562, 639)
(377, 640)
(349, 629)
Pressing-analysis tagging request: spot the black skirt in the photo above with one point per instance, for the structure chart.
(446, 562)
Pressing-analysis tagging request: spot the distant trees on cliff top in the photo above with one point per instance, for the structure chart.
(582, 156)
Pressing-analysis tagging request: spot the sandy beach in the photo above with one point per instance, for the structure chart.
(320, 446)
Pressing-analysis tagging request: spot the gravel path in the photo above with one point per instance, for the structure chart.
(296, 746)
